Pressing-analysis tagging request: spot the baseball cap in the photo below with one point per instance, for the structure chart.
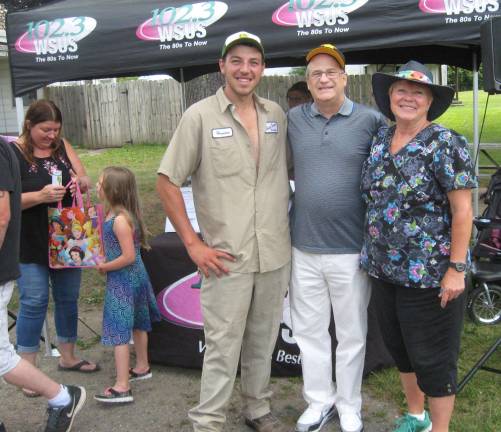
(328, 49)
(239, 38)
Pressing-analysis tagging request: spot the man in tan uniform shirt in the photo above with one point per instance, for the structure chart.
(232, 145)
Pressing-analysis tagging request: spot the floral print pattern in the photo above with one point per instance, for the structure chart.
(414, 76)
(407, 227)
(49, 165)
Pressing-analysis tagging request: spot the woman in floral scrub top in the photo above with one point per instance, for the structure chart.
(417, 184)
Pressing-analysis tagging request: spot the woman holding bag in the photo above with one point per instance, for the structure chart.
(45, 157)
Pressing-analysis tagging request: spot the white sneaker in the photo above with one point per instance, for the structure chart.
(313, 420)
(351, 422)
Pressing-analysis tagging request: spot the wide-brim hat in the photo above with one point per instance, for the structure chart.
(415, 72)
(328, 49)
(242, 38)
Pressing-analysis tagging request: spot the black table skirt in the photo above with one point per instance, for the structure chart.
(172, 344)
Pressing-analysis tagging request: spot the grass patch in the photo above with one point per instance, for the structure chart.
(143, 160)
(84, 344)
(92, 297)
(93, 287)
(477, 406)
(460, 117)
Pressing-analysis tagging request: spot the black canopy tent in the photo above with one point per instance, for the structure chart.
(66, 40)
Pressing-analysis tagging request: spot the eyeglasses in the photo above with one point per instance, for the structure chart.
(330, 73)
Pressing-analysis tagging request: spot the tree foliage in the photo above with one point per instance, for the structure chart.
(464, 77)
(298, 71)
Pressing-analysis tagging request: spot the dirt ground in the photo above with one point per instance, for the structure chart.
(160, 404)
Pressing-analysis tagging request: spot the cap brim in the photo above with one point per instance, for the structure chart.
(329, 51)
(243, 41)
(381, 82)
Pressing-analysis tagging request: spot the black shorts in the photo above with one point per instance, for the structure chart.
(421, 336)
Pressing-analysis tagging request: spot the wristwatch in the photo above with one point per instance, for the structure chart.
(458, 266)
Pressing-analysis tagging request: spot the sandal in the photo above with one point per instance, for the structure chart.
(78, 367)
(110, 395)
(30, 393)
(137, 376)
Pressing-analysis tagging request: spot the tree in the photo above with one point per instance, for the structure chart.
(464, 78)
(298, 71)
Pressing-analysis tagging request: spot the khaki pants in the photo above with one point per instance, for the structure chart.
(242, 313)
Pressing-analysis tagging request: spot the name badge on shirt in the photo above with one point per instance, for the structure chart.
(222, 132)
(271, 127)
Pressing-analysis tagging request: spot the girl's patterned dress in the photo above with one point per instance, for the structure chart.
(129, 302)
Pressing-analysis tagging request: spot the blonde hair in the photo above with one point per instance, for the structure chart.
(119, 188)
(93, 241)
(76, 225)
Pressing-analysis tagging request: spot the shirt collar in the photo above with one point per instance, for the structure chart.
(345, 110)
(224, 102)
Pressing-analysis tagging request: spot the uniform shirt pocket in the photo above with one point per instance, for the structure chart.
(225, 156)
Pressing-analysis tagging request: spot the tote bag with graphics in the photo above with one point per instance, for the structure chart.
(75, 234)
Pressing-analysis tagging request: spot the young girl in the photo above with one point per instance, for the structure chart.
(129, 305)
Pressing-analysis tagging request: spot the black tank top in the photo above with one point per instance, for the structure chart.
(34, 220)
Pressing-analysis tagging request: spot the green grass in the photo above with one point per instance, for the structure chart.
(84, 344)
(143, 160)
(477, 406)
(460, 117)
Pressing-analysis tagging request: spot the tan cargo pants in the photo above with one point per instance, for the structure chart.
(242, 313)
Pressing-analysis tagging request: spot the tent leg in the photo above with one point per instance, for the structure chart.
(19, 114)
(476, 138)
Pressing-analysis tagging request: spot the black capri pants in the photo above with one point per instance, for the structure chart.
(421, 336)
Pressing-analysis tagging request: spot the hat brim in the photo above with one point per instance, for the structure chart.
(381, 82)
(329, 51)
(243, 41)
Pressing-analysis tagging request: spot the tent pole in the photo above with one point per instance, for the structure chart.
(476, 139)
(19, 114)
(183, 92)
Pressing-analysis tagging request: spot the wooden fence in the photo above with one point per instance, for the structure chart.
(144, 111)
(112, 115)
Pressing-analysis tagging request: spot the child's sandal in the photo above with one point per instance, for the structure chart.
(110, 395)
(137, 376)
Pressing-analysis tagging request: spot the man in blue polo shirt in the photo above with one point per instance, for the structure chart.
(329, 141)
